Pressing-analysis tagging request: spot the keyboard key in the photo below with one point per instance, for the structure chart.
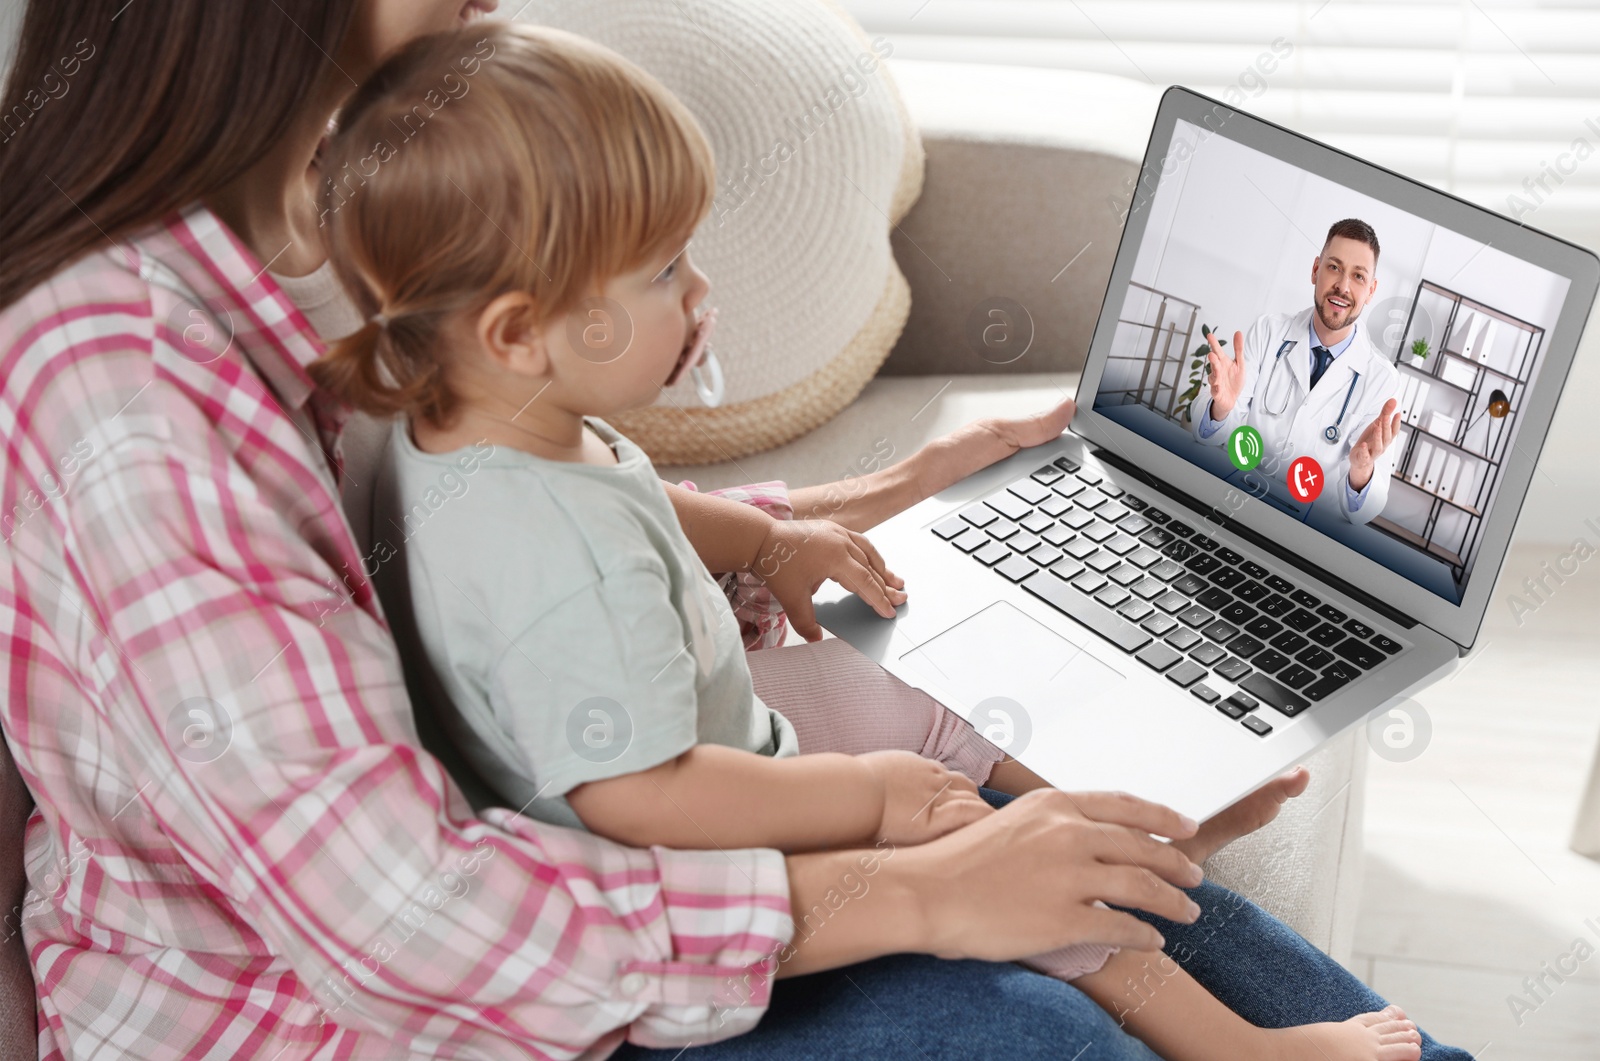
(1135, 503)
(1030, 491)
(1332, 614)
(1159, 624)
(1286, 701)
(1081, 548)
(1144, 556)
(1069, 488)
(1077, 519)
(1296, 676)
(1325, 686)
(1037, 522)
(1279, 584)
(1301, 620)
(979, 515)
(1189, 585)
(1253, 569)
(1066, 464)
(1054, 506)
(951, 527)
(1327, 634)
(1304, 599)
(1112, 512)
(1111, 596)
(1228, 556)
(1045, 555)
(1111, 490)
(1166, 571)
(1183, 639)
(1289, 642)
(1091, 499)
(1220, 631)
(1023, 542)
(1103, 561)
(1244, 701)
(1180, 528)
(1155, 537)
(1360, 653)
(1015, 568)
(1207, 653)
(1237, 614)
(1122, 545)
(1066, 569)
(1213, 598)
(1245, 646)
(1186, 673)
(1343, 670)
(1170, 602)
(1250, 591)
(1136, 609)
(1276, 606)
(1229, 708)
(1359, 628)
(1232, 668)
(1002, 529)
(992, 553)
(1090, 476)
(1206, 542)
(1178, 550)
(1386, 644)
(1010, 506)
(1134, 525)
(1058, 535)
(1194, 615)
(1314, 657)
(1255, 725)
(1226, 577)
(1158, 656)
(1149, 588)
(1107, 624)
(1048, 474)
(1125, 575)
(1271, 660)
(1204, 692)
(969, 540)
(1089, 582)
(1262, 626)
(1155, 515)
(1202, 563)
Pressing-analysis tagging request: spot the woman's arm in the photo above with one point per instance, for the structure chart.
(713, 796)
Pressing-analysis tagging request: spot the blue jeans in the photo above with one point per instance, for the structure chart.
(909, 1005)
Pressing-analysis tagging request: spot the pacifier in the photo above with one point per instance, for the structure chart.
(704, 368)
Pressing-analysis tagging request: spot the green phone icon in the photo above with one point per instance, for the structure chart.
(1244, 447)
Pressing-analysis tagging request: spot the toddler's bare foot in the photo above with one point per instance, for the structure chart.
(1383, 1036)
(1245, 816)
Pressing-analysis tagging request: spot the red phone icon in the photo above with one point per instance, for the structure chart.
(1305, 479)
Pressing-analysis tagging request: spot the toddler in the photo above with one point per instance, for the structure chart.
(520, 244)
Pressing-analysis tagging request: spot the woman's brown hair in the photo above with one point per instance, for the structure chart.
(116, 114)
(496, 158)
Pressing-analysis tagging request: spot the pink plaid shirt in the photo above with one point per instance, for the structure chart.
(239, 849)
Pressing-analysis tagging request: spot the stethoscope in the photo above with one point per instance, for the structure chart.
(1333, 431)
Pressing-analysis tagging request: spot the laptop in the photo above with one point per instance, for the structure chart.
(1129, 607)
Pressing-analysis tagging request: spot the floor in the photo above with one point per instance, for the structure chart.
(1470, 887)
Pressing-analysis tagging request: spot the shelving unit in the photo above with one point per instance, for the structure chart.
(1506, 365)
(1170, 323)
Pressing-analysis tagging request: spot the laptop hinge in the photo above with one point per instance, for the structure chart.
(1260, 541)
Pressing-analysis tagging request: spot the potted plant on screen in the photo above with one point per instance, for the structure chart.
(1197, 372)
(1419, 352)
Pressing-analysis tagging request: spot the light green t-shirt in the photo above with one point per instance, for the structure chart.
(565, 617)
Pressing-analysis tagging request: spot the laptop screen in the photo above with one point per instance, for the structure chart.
(1371, 371)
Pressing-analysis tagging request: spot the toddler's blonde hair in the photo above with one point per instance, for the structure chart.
(495, 158)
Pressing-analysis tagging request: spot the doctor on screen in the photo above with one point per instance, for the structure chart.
(1312, 384)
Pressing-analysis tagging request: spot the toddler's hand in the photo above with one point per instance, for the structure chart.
(922, 799)
(798, 555)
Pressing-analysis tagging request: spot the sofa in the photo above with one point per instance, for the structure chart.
(1027, 171)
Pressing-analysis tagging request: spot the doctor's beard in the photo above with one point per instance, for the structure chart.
(1353, 314)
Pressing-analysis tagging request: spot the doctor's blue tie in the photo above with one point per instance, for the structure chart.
(1322, 357)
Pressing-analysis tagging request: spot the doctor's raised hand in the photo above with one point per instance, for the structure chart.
(1227, 374)
(1372, 442)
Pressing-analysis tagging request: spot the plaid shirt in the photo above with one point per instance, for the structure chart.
(239, 849)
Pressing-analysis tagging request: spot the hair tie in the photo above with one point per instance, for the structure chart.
(379, 319)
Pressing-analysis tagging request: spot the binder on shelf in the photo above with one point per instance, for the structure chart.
(1418, 401)
(1484, 347)
(1466, 486)
(1435, 472)
(1452, 468)
(1462, 335)
(1401, 437)
(1419, 463)
(1408, 394)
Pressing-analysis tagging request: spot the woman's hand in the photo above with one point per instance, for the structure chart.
(871, 499)
(922, 800)
(797, 556)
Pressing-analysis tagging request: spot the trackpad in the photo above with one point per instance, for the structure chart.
(1016, 680)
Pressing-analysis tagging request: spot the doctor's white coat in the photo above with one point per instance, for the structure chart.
(1298, 429)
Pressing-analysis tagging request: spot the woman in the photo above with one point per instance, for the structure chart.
(239, 847)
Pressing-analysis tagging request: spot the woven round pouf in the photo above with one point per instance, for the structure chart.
(816, 160)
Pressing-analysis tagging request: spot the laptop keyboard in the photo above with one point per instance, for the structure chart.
(1179, 601)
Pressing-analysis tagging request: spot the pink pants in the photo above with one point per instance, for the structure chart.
(840, 701)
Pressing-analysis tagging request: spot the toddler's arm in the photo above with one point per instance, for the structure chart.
(714, 796)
